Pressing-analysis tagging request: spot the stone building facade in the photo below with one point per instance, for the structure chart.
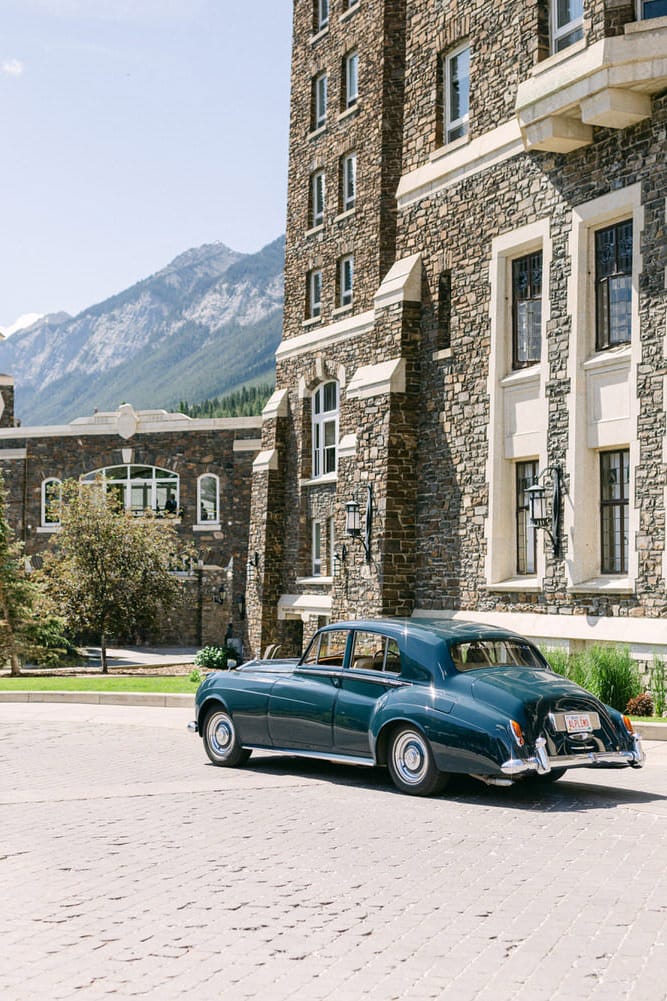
(195, 472)
(475, 305)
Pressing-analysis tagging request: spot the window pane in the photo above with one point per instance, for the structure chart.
(614, 487)
(330, 396)
(613, 284)
(654, 8)
(526, 534)
(459, 85)
(208, 499)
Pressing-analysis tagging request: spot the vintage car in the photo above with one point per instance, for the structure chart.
(427, 699)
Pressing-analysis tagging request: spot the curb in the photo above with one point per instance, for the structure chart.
(651, 731)
(161, 700)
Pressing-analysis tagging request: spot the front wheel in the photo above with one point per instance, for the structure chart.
(411, 764)
(221, 741)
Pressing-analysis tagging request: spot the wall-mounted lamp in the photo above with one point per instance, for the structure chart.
(353, 522)
(538, 505)
(253, 565)
(218, 594)
(240, 606)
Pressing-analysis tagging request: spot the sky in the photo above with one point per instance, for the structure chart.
(130, 131)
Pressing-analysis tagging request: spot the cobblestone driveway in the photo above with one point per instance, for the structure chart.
(132, 868)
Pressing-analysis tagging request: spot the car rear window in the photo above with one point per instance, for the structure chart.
(494, 653)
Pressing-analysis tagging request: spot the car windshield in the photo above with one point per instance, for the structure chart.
(494, 653)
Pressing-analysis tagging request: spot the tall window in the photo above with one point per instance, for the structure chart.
(613, 285)
(208, 498)
(652, 8)
(51, 501)
(456, 79)
(139, 488)
(445, 309)
(317, 198)
(317, 549)
(526, 534)
(321, 14)
(526, 310)
(614, 504)
(567, 23)
(348, 181)
(319, 101)
(325, 428)
(345, 280)
(314, 294)
(350, 80)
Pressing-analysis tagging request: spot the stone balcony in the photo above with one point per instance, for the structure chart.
(608, 84)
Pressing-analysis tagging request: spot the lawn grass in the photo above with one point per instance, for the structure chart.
(649, 719)
(101, 683)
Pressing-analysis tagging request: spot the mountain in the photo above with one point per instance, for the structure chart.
(204, 325)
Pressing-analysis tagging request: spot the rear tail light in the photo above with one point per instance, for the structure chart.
(517, 733)
(627, 723)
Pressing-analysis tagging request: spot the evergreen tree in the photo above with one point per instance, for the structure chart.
(18, 597)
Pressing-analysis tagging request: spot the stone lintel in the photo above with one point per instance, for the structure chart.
(303, 606)
(377, 380)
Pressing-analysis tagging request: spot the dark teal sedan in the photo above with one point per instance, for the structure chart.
(426, 699)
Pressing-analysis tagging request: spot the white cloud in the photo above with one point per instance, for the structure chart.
(12, 67)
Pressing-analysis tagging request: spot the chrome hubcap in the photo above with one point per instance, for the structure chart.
(221, 734)
(410, 758)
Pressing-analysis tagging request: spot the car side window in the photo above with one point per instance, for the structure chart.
(375, 652)
(327, 649)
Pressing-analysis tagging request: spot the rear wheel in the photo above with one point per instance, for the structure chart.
(411, 765)
(221, 741)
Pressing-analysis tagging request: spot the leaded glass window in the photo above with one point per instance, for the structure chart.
(614, 502)
(526, 310)
(613, 284)
(526, 534)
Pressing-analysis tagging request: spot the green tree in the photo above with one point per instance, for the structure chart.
(18, 598)
(109, 572)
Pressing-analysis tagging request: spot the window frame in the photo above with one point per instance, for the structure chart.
(320, 100)
(461, 124)
(172, 482)
(563, 36)
(208, 521)
(603, 327)
(345, 287)
(350, 89)
(316, 549)
(321, 15)
(46, 521)
(324, 456)
(318, 195)
(348, 174)
(526, 534)
(534, 298)
(618, 533)
(314, 294)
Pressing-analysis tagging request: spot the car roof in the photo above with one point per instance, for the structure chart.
(428, 630)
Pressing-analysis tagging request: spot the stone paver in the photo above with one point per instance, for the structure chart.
(132, 868)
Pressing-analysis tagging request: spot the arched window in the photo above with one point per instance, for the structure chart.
(208, 498)
(325, 428)
(139, 488)
(51, 501)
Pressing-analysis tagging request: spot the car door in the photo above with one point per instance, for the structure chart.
(374, 666)
(301, 706)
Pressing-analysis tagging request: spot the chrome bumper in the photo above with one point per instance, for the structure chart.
(193, 726)
(541, 763)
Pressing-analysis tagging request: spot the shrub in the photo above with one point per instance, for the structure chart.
(213, 657)
(612, 675)
(641, 705)
(657, 685)
(195, 676)
(558, 660)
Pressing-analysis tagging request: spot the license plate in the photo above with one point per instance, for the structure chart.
(578, 723)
